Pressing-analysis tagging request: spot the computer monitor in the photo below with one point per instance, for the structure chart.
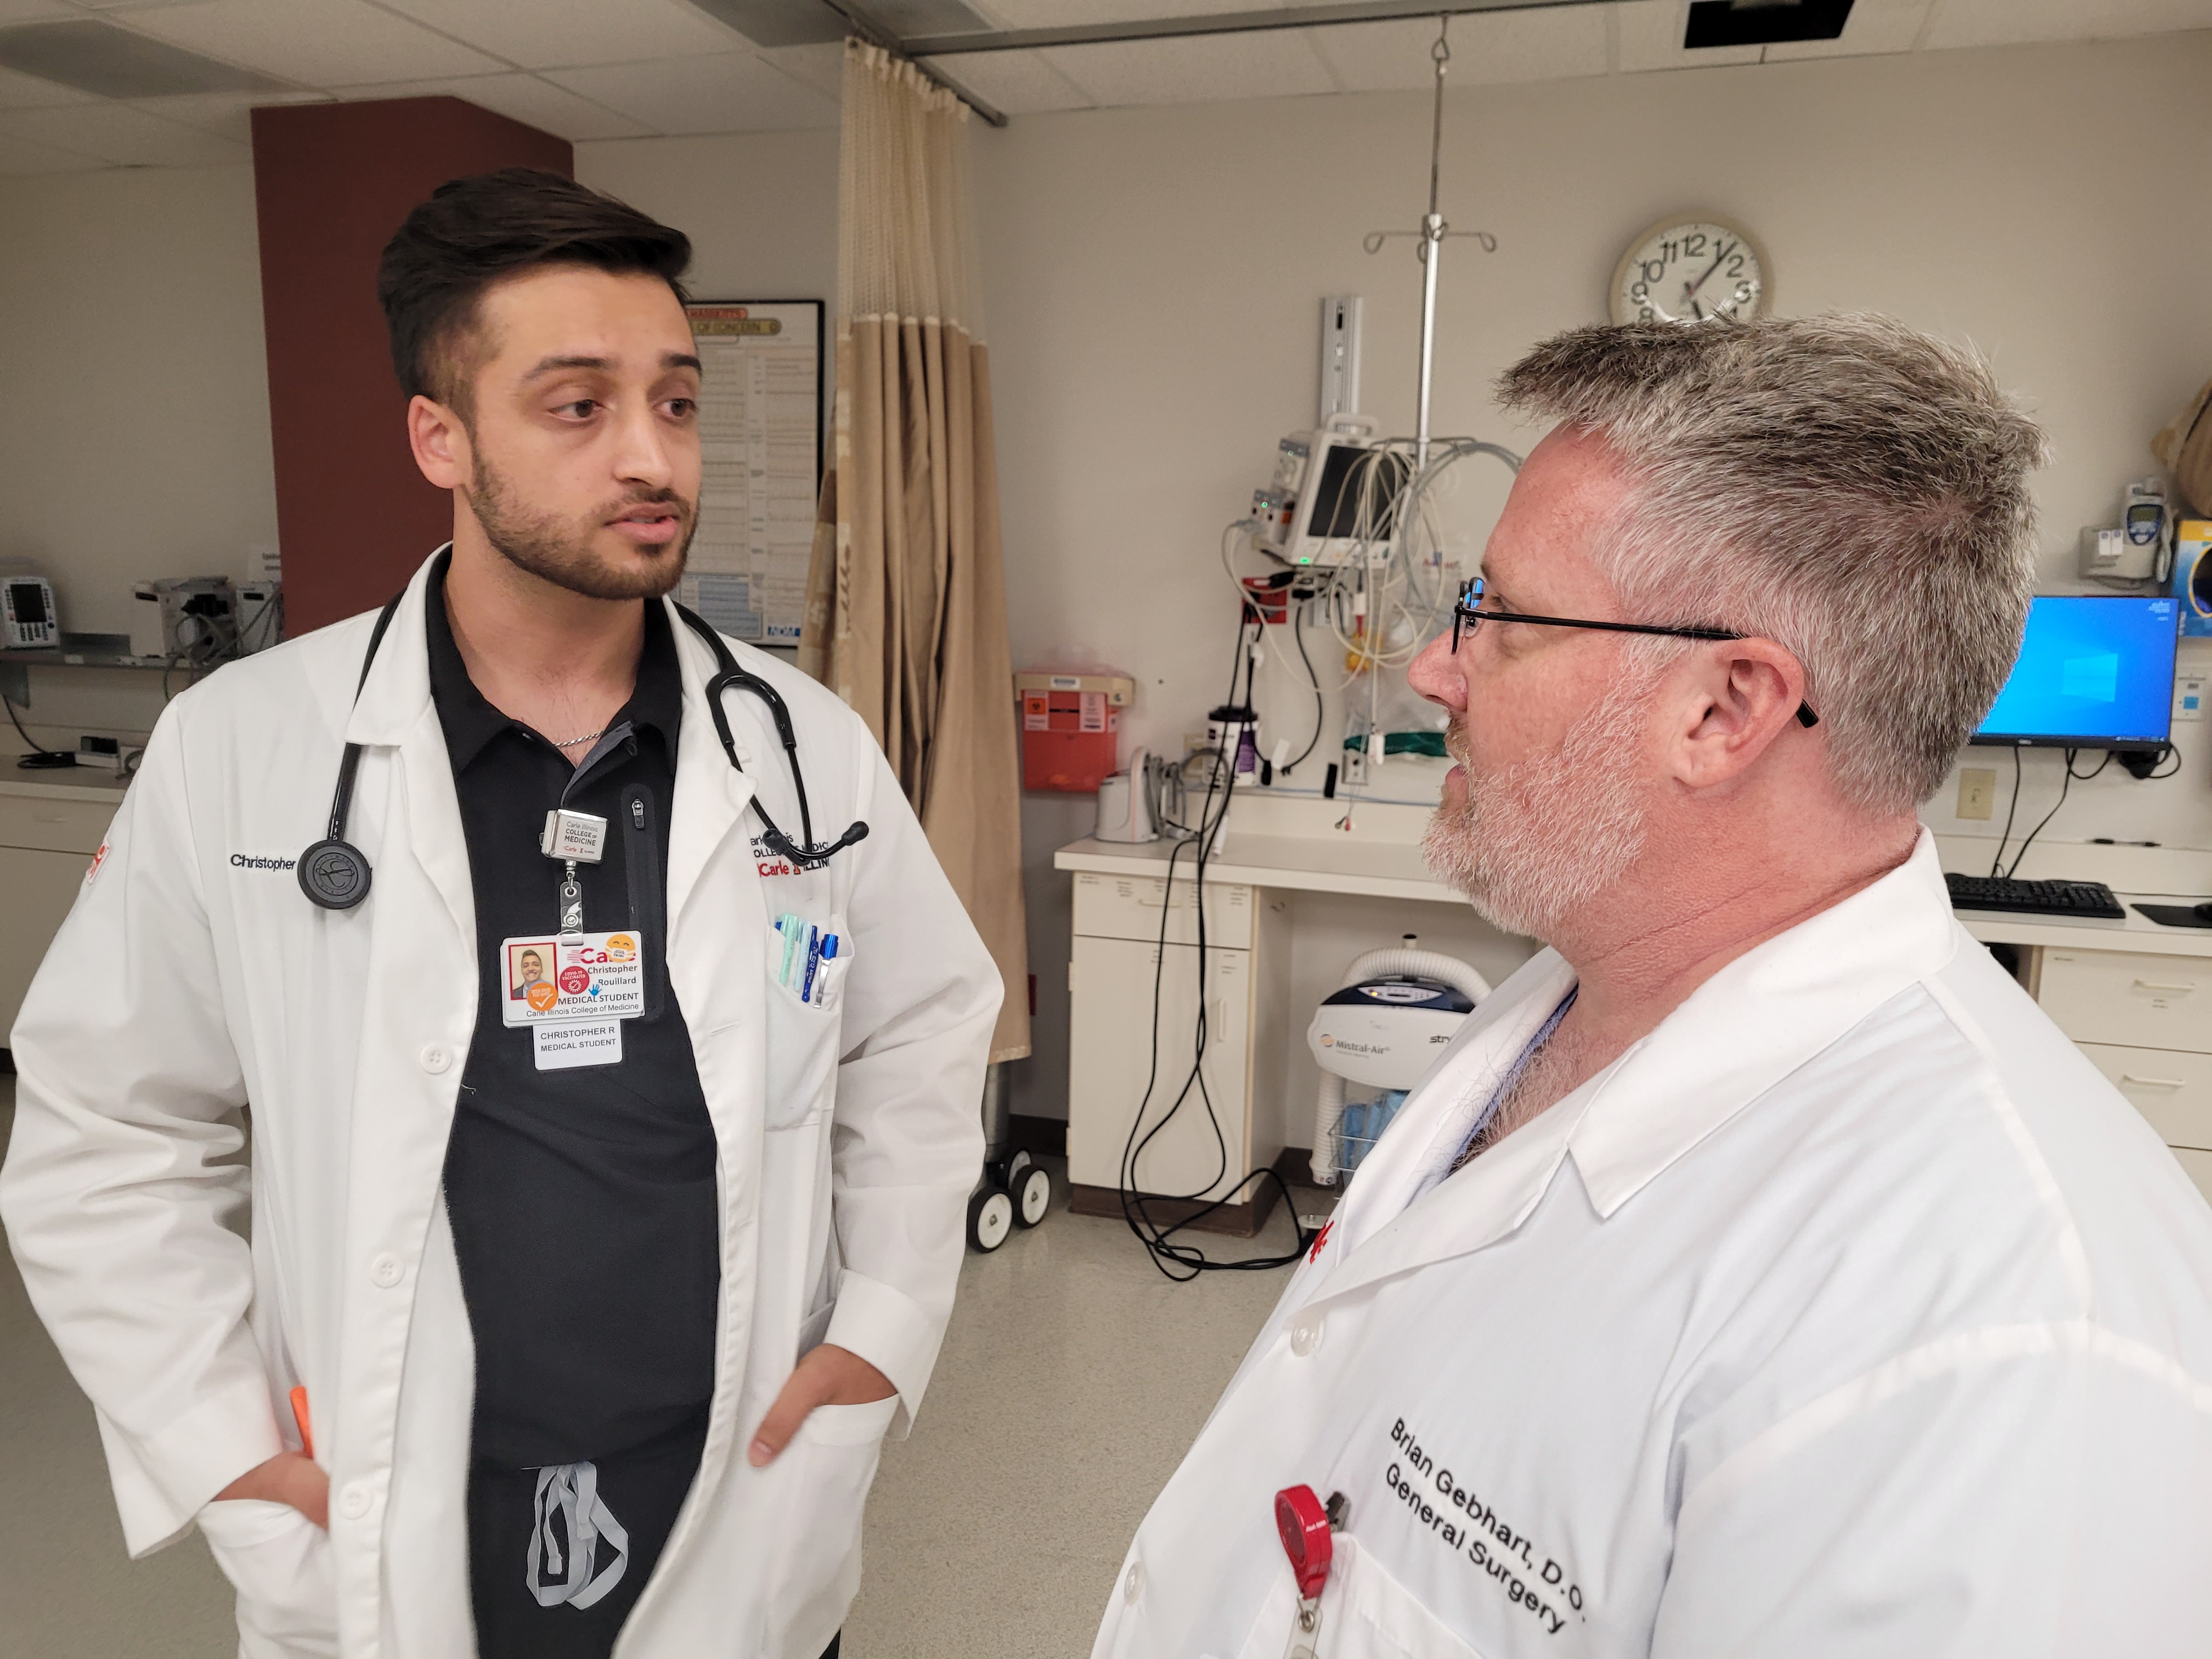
(2095, 672)
(1347, 505)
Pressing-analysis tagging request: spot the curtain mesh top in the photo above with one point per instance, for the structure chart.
(906, 231)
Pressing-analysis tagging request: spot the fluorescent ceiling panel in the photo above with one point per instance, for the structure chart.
(1651, 38)
(563, 34)
(226, 114)
(778, 22)
(1197, 70)
(1488, 49)
(316, 43)
(20, 158)
(523, 98)
(94, 56)
(29, 92)
(1018, 83)
(1875, 25)
(120, 134)
(2007, 22)
(1763, 22)
(735, 92)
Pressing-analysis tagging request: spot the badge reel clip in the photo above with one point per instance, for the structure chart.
(1308, 1527)
(574, 838)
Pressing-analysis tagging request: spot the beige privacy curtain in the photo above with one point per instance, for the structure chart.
(906, 614)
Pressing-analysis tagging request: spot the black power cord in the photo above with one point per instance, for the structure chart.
(40, 759)
(1179, 1263)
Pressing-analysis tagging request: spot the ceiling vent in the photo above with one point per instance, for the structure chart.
(109, 62)
(1763, 22)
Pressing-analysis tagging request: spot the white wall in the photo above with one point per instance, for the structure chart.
(134, 427)
(1152, 280)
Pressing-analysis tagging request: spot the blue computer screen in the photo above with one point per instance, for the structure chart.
(2093, 671)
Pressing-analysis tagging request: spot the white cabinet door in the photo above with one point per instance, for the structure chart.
(1110, 1063)
(36, 891)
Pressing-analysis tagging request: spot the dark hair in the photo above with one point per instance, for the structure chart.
(473, 232)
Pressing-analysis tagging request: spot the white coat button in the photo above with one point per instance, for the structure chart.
(353, 1501)
(386, 1272)
(1305, 1335)
(1132, 1581)
(437, 1057)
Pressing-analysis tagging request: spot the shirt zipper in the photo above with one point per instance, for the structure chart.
(641, 873)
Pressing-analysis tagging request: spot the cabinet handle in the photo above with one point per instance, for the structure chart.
(2154, 984)
(2153, 1082)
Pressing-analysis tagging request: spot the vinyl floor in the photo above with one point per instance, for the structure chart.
(1072, 1379)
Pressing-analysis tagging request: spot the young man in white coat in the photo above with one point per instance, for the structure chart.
(1759, 1272)
(610, 1131)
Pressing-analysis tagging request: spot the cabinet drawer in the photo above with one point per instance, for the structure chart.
(1128, 906)
(2135, 1001)
(2172, 1088)
(2198, 1168)
(55, 825)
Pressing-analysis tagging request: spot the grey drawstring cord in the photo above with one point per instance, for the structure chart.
(571, 1492)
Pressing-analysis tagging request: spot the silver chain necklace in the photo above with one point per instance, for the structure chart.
(587, 738)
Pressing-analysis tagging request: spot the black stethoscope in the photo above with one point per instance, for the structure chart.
(335, 874)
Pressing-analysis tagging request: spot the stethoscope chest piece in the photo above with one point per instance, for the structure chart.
(334, 874)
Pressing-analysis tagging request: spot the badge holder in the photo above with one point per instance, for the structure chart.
(1308, 1528)
(574, 838)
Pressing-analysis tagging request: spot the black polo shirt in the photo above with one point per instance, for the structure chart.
(583, 1200)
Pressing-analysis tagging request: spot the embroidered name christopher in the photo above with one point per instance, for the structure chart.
(1458, 1517)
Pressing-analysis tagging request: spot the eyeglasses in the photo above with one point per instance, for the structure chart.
(1468, 616)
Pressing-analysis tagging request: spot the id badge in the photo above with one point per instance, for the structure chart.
(592, 977)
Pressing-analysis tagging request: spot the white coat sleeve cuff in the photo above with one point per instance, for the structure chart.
(163, 1479)
(887, 1328)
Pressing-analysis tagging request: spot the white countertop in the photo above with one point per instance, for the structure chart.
(83, 783)
(1295, 844)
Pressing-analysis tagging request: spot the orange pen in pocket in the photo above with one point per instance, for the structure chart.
(300, 1416)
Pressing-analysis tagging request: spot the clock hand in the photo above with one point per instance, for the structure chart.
(1690, 292)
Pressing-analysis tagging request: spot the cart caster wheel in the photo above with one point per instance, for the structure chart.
(1015, 1164)
(990, 1218)
(1031, 1193)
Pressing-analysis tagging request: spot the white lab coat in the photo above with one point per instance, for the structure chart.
(1851, 1312)
(194, 977)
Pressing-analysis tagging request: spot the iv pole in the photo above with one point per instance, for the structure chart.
(1432, 236)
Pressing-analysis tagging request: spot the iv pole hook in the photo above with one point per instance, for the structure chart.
(1432, 241)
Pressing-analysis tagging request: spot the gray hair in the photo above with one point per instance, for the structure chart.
(1848, 486)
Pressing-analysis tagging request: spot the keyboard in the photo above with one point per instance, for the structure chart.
(2083, 900)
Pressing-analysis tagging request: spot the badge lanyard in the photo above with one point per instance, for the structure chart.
(573, 838)
(1307, 1526)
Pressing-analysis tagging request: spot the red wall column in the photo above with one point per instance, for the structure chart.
(332, 183)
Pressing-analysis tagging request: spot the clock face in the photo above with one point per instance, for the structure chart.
(1690, 271)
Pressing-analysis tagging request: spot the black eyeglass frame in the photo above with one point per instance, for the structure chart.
(1467, 616)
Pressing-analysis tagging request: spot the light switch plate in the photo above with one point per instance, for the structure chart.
(1978, 793)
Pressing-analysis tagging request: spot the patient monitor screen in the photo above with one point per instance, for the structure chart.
(2093, 671)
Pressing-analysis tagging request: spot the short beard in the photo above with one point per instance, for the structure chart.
(1549, 834)
(561, 552)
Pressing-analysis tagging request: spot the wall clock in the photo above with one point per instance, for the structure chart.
(1691, 268)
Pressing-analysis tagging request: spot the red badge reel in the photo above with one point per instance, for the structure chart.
(1304, 1526)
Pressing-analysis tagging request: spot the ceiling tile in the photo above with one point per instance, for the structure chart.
(1488, 49)
(1874, 26)
(1198, 68)
(316, 42)
(20, 157)
(1651, 38)
(226, 114)
(19, 91)
(119, 133)
(1015, 82)
(565, 34)
(732, 92)
(821, 66)
(1073, 14)
(2005, 22)
(522, 98)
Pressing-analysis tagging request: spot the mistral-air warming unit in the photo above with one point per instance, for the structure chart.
(1375, 1038)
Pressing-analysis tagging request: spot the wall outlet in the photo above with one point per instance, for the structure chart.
(1978, 793)
(1355, 767)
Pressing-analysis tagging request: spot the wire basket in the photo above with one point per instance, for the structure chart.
(1358, 1127)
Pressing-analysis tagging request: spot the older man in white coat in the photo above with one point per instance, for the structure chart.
(1759, 1272)
(614, 1105)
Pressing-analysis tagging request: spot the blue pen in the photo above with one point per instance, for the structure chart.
(813, 961)
(829, 954)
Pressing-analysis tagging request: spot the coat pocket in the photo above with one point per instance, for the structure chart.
(1365, 1613)
(817, 1570)
(803, 1022)
(279, 1562)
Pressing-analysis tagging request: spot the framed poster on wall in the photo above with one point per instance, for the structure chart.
(760, 441)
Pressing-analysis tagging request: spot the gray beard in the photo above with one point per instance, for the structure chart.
(1549, 834)
(556, 552)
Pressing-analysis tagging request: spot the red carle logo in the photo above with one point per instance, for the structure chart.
(576, 980)
(98, 859)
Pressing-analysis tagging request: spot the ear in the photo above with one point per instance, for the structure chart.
(439, 439)
(1743, 697)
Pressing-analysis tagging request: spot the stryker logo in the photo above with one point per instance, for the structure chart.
(257, 861)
